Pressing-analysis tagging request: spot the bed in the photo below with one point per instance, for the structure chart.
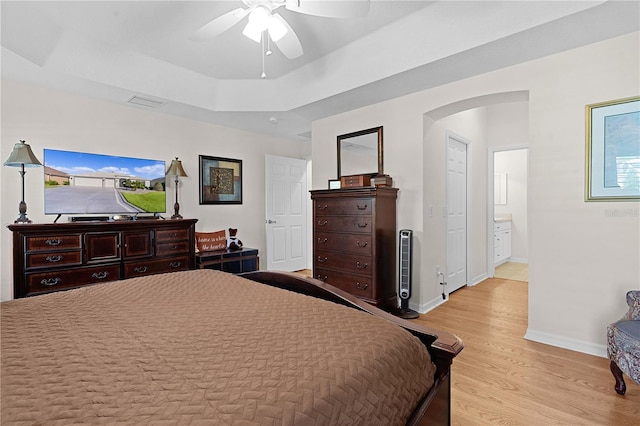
(206, 347)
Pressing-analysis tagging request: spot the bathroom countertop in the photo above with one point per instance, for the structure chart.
(502, 218)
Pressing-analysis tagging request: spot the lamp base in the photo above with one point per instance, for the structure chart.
(176, 209)
(22, 219)
(22, 209)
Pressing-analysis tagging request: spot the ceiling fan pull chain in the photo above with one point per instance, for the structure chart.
(268, 52)
(262, 53)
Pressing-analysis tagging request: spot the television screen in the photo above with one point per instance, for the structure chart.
(85, 183)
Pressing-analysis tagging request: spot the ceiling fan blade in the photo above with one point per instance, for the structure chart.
(330, 9)
(220, 24)
(289, 44)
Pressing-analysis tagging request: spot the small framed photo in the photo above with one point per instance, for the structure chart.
(220, 180)
(613, 151)
(334, 184)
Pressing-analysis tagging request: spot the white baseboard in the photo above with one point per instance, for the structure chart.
(426, 307)
(518, 260)
(566, 343)
(434, 303)
(478, 279)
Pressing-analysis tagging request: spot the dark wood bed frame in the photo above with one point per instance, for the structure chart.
(435, 407)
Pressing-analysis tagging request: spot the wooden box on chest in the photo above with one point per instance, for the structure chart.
(354, 242)
(52, 257)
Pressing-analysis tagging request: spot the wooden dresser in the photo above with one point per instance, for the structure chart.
(354, 242)
(52, 257)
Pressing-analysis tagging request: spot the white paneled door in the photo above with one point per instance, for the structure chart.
(456, 213)
(286, 213)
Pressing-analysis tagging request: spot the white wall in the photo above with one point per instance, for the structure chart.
(471, 126)
(508, 127)
(52, 119)
(583, 257)
(514, 164)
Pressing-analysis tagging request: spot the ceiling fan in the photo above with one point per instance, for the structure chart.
(263, 20)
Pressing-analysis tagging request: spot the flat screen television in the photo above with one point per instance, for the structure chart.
(81, 183)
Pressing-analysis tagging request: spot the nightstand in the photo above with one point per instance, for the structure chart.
(235, 262)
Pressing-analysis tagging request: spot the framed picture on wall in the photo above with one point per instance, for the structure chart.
(613, 150)
(220, 180)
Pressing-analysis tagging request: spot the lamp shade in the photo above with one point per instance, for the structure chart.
(22, 156)
(175, 169)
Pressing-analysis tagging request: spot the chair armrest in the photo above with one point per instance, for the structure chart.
(633, 300)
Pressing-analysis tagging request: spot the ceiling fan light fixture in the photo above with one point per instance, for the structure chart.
(260, 19)
(252, 32)
(277, 30)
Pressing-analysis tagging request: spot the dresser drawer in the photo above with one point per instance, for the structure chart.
(355, 181)
(178, 247)
(351, 206)
(167, 235)
(357, 224)
(52, 259)
(358, 285)
(137, 269)
(346, 243)
(56, 242)
(349, 263)
(56, 280)
(501, 226)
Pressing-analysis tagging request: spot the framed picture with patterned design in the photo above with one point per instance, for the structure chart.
(613, 150)
(220, 180)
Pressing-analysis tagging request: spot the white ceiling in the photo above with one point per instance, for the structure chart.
(114, 50)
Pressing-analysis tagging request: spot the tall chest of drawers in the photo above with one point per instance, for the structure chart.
(52, 257)
(354, 242)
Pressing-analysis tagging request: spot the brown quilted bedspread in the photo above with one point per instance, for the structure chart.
(203, 347)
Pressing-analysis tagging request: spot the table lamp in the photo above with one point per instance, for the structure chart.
(22, 156)
(175, 169)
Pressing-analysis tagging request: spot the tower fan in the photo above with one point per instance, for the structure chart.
(404, 281)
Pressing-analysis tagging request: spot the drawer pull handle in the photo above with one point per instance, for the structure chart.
(176, 264)
(361, 266)
(322, 259)
(51, 281)
(323, 207)
(361, 207)
(362, 287)
(55, 242)
(362, 225)
(322, 223)
(100, 275)
(174, 247)
(54, 259)
(322, 240)
(173, 234)
(321, 278)
(140, 269)
(361, 243)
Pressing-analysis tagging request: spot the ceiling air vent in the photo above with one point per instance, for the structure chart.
(146, 102)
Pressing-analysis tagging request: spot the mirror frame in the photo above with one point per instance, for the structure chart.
(379, 132)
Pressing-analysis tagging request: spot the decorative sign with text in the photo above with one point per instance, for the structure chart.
(211, 241)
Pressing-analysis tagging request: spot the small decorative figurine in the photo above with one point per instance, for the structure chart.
(233, 243)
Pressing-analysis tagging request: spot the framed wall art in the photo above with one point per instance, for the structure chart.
(220, 180)
(613, 150)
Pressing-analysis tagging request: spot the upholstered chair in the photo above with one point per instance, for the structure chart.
(623, 344)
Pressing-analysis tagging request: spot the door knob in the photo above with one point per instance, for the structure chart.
(269, 221)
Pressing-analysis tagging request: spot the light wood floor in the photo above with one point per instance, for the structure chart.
(500, 378)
